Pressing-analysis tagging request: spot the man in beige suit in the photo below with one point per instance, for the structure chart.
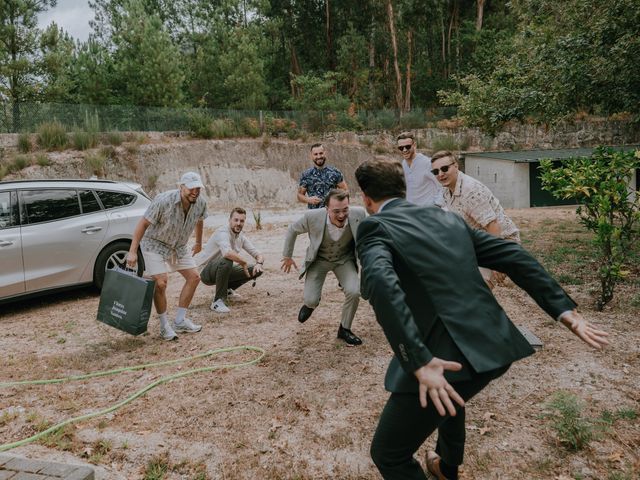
(332, 235)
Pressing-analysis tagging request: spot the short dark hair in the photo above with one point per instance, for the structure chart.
(316, 145)
(380, 179)
(405, 135)
(336, 193)
(239, 210)
(443, 154)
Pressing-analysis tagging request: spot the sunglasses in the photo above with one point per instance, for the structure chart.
(405, 148)
(443, 169)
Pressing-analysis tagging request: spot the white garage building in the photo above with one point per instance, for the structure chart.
(513, 176)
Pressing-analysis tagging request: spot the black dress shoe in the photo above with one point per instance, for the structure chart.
(348, 336)
(304, 313)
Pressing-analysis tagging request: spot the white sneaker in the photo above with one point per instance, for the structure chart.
(167, 333)
(232, 295)
(186, 326)
(219, 307)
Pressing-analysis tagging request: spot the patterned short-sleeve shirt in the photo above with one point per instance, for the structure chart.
(479, 207)
(170, 228)
(318, 182)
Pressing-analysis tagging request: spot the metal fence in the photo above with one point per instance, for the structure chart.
(27, 117)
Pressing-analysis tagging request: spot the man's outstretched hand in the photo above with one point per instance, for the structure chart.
(432, 382)
(585, 330)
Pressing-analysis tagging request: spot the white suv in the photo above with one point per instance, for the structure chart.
(56, 234)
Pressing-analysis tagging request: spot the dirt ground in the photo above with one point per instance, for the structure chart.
(309, 408)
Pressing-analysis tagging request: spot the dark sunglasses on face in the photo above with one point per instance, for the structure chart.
(443, 169)
(404, 148)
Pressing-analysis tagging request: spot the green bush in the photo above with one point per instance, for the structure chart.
(24, 143)
(200, 125)
(108, 151)
(20, 162)
(84, 140)
(250, 127)
(3, 171)
(223, 128)
(43, 160)
(95, 163)
(115, 138)
(52, 136)
(315, 122)
(384, 119)
(413, 119)
(447, 142)
(573, 431)
(599, 185)
(349, 123)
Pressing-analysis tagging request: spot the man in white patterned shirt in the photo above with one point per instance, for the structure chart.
(163, 234)
(221, 263)
(473, 200)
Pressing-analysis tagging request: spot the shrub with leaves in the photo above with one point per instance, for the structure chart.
(84, 140)
(200, 125)
(95, 163)
(565, 413)
(43, 160)
(21, 162)
(447, 142)
(52, 136)
(114, 138)
(607, 206)
(24, 143)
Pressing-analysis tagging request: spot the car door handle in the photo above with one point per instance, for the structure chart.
(5, 243)
(91, 229)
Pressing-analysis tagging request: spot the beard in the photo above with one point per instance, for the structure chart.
(319, 161)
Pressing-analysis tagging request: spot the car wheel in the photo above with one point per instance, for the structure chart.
(114, 255)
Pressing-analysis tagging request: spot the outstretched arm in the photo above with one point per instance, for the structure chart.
(298, 227)
(584, 330)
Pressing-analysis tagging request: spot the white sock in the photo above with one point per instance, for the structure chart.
(164, 322)
(181, 312)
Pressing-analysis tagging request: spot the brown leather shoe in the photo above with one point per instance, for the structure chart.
(433, 465)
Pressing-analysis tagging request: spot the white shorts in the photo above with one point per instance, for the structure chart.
(156, 264)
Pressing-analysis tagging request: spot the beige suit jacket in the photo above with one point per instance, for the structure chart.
(313, 222)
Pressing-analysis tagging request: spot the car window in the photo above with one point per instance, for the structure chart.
(8, 210)
(46, 205)
(88, 201)
(115, 199)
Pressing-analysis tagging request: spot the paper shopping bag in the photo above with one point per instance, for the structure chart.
(125, 301)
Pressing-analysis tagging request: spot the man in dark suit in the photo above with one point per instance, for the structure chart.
(449, 335)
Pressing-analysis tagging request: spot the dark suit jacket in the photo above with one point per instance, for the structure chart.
(420, 274)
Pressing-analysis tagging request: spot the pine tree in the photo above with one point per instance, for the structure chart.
(147, 64)
(19, 67)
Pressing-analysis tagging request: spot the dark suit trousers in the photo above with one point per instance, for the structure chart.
(404, 426)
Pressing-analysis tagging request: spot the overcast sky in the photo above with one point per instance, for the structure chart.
(72, 15)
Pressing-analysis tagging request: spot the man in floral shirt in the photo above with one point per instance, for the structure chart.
(473, 200)
(317, 181)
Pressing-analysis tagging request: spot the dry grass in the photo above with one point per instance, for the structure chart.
(308, 410)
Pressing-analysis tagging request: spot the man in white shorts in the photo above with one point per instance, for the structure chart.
(163, 234)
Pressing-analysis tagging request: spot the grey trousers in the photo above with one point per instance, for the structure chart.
(347, 276)
(224, 274)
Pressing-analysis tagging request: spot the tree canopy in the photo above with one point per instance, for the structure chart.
(495, 60)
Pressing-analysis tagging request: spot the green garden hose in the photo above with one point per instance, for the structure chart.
(139, 393)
